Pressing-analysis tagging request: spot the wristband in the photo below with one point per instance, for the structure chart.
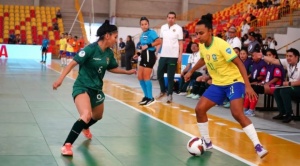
(290, 84)
(149, 45)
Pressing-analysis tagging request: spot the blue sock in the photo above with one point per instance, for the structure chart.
(143, 85)
(149, 89)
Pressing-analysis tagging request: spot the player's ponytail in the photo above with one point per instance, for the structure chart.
(106, 28)
(206, 20)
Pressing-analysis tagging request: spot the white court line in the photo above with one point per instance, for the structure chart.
(180, 130)
(287, 134)
(237, 130)
(184, 111)
(221, 124)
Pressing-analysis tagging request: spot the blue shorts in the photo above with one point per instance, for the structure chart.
(218, 94)
(69, 54)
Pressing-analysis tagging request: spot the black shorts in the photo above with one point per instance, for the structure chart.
(148, 58)
(44, 49)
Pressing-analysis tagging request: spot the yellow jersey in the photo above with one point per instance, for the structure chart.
(62, 44)
(70, 43)
(218, 57)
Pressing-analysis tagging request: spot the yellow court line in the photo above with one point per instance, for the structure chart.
(225, 134)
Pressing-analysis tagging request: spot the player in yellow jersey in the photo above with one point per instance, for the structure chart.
(62, 49)
(70, 49)
(229, 79)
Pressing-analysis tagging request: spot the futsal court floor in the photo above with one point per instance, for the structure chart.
(35, 121)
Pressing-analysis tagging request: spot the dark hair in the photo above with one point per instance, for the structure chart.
(195, 43)
(173, 13)
(130, 37)
(106, 28)
(144, 18)
(273, 52)
(206, 20)
(294, 51)
(244, 49)
(237, 49)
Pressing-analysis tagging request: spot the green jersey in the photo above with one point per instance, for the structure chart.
(93, 62)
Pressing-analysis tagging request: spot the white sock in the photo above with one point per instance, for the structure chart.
(65, 61)
(251, 133)
(203, 128)
(62, 61)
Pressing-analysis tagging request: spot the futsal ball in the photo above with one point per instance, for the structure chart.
(196, 146)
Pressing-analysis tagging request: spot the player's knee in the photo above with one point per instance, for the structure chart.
(86, 117)
(199, 111)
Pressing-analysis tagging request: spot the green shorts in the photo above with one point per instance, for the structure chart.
(96, 96)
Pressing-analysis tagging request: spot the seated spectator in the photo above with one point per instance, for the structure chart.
(199, 87)
(233, 40)
(257, 76)
(291, 88)
(270, 3)
(265, 4)
(58, 14)
(237, 50)
(18, 39)
(259, 4)
(246, 61)
(55, 26)
(274, 76)
(12, 39)
(193, 59)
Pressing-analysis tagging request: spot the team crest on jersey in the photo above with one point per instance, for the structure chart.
(174, 30)
(107, 60)
(81, 53)
(208, 57)
(228, 50)
(214, 57)
(277, 71)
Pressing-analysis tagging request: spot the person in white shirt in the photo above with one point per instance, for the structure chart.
(193, 59)
(233, 40)
(171, 52)
(245, 28)
(291, 88)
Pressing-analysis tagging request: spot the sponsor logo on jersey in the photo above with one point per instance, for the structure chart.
(214, 57)
(81, 53)
(228, 50)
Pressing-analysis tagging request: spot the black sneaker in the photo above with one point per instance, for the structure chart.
(287, 119)
(143, 101)
(279, 117)
(149, 102)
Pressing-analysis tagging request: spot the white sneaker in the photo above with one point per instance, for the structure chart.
(261, 152)
(196, 97)
(182, 93)
(190, 95)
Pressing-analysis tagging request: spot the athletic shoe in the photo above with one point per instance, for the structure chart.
(66, 150)
(279, 117)
(41, 61)
(149, 102)
(226, 105)
(160, 95)
(169, 98)
(44, 62)
(260, 151)
(182, 93)
(208, 145)
(87, 133)
(190, 95)
(249, 113)
(196, 97)
(143, 101)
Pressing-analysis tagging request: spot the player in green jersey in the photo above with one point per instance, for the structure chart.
(88, 96)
